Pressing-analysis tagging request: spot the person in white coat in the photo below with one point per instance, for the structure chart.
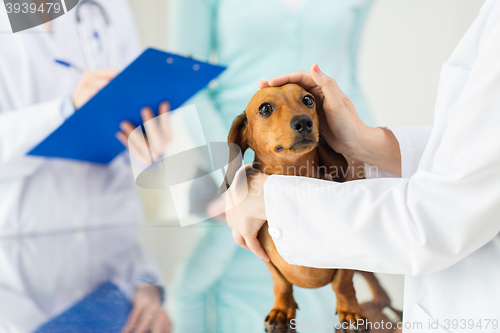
(43, 276)
(40, 195)
(437, 221)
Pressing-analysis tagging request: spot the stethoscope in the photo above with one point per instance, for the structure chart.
(84, 38)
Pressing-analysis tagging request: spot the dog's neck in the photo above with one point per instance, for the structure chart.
(306, 165)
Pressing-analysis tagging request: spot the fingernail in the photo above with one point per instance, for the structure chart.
(316, 68)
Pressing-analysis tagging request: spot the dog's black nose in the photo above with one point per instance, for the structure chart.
(302, 124)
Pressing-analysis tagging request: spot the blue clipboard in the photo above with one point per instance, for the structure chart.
(105, 310)
(155, 76)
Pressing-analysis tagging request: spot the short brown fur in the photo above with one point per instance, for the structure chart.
(298, 157)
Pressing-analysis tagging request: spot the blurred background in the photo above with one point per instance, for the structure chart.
(212, 285)
(403, 46)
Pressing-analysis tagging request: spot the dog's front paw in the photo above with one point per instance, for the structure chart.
(278, 321)
(353, 322)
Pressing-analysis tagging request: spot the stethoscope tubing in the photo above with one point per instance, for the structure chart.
(84, 38)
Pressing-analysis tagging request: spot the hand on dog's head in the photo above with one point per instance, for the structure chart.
(279, 122)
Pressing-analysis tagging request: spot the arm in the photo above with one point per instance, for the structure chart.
(340, 124)
(344, 131)
(13, 320)
(247, 217)
(23, 129)
(147, 314)
(412, 141)
(407, 226)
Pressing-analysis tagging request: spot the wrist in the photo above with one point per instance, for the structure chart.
(360, 145)
(368, 144)
(74, 101)
(379, 147)
(67, 107)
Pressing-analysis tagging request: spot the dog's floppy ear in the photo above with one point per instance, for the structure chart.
(237, 142)
(335, 163)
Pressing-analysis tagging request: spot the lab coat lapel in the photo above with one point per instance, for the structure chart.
(451, 83)
(454, 75)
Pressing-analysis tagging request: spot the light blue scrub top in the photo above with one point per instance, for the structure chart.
(221, 287)
(259, 39)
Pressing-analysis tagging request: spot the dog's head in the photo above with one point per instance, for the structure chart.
(279, 122)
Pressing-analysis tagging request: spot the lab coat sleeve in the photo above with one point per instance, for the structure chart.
(14, 320)
(22, 129)
(412, 142)
(143, 270)
(411, 225)
(147, 271)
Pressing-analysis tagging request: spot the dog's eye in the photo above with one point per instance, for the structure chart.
(308, 101)
(265, 109)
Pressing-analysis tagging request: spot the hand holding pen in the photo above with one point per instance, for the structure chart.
(90, 83)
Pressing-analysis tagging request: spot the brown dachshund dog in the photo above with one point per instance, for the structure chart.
(281, 125)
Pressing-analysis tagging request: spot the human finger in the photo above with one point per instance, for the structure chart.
(122, 138)
(145, 321)
(161, 323)
(92, 87)
(127, 127)
(238, 239)
(263, 84)
(157, 129)
(132, 320)
(328, 85)
(153, 132)
(301, 78)
(106, 72)
(135, 142)
(216, 209)
(164, 108)
(165, 121)
(254, 245)
(147, 114)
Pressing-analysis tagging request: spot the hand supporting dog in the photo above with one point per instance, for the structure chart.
(252, 207)
(281, 125)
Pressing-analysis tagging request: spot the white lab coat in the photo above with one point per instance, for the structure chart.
(438, 224)
(40, 194)
(43, 276)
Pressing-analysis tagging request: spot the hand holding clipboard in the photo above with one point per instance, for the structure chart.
(155, 76)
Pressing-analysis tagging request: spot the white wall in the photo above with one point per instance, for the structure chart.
(404, 46)
(405, 43)
(151, 19)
